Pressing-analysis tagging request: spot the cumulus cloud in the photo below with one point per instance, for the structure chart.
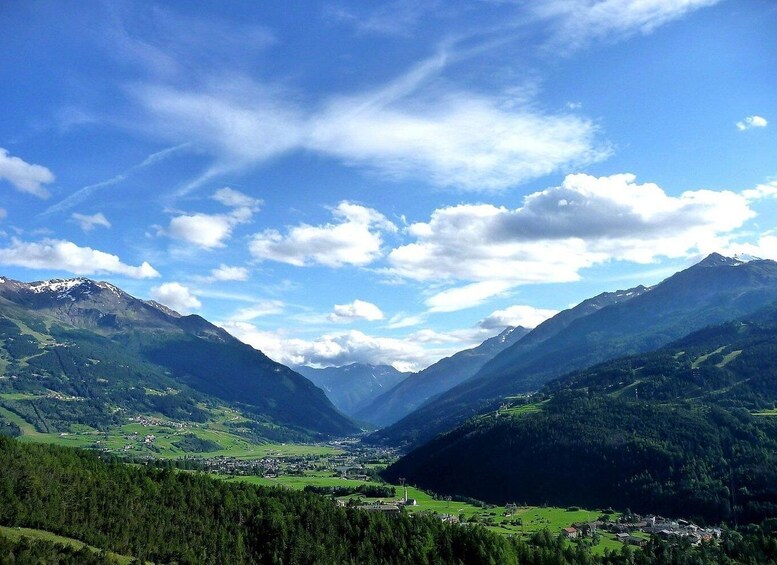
(355, 238)
(227, 273)
(210, 231)
(176, 296)
(764, 248)
(24, 176)
(337, 349)
(751, 122)
(517, 315)
(561, 230)
(578, 22)
(447, 137)
(761, 191)
(356, 310)
(88, 223)
(62, 255)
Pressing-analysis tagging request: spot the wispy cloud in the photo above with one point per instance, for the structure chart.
(87, 192)
(386, 18)
(404, 128)
(575, 23)
(88, 223)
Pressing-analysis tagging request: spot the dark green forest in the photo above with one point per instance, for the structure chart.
(182, 517)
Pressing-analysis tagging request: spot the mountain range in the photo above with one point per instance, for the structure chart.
(687, 430)
(83, 352)
(418, 388)
(352, 387)
(642, 319)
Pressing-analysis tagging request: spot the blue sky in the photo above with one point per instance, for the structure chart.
(384, 183)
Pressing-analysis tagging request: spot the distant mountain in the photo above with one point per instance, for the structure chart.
(713, 291)
(116, 354)
(688, 430)
(353, 386)
(414, 391)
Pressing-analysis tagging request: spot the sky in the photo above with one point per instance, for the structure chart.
(386, 183)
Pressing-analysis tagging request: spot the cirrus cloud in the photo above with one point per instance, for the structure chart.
(88, 223)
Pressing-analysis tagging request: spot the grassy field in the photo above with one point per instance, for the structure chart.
(130, 438)
(525, 521)
(18, 533)
(772, 412)
(27, 429)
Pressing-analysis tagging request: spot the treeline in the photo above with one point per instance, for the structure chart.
(372, 491)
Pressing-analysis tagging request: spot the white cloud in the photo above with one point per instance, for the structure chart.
(176, 296)
(578, 22)
(24, 176)
(235, 199)
(459, 298)
(356, 310)
(561, 230)
(339, 348)
(227, 273)
(445, 136)
(459, 140)
(764, 248)
(517, 315)
(210, 231)
(257, 310)
(88, 223)
(355, 239)
(403, 320)
(751, 122)
(62, 255)
(204, 230)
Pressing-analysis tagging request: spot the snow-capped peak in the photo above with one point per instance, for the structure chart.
(62, 287)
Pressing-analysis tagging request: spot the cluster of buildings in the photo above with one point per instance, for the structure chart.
(628, 529)
(152, 421)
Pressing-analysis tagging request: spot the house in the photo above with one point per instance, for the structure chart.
(570, 533)
(634, 540)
